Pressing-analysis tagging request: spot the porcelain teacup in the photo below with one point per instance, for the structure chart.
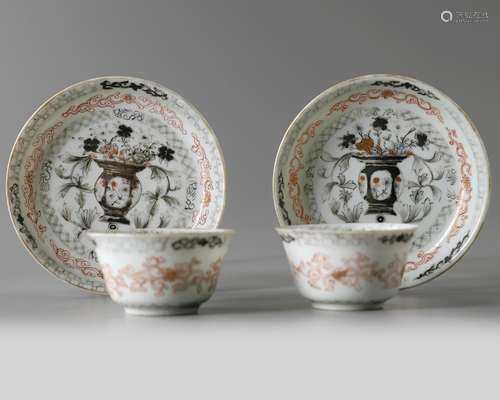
(347, 266)
(161, 272)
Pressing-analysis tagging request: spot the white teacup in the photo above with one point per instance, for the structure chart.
(347, 266)
(161, 272)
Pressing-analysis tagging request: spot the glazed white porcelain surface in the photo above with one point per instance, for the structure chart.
(115, 154)
(161, 272)
(347, 266)
(387, 148)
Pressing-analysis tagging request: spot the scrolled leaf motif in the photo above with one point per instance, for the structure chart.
(414, 213)
(357, 211)
(406, 85)
(417, 195)
(171, 201)
(342, 163)
(155, 92)
(327, 157)
(422, 170)
(335, 206)
(345, 196)
(437, 156)
(436, 192)
(65, 188)
(349, 185)
(347, 214)
(327, 190)
(190, 243)
(438, 175)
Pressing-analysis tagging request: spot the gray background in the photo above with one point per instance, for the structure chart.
(249, 67)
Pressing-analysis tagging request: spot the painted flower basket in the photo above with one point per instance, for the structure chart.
(118, 188)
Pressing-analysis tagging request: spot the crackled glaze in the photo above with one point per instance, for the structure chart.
(111, 153)
(347, 266)
(384, 148)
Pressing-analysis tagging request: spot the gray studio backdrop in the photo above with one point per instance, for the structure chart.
(249, 67)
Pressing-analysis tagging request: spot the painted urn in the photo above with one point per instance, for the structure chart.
(380, 182)
(117, 189)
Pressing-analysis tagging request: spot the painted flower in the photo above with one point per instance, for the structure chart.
(347, 141)
(206, 199)
(124, 131)
(139, 157)
(467, 183)
(339, 274)
(421, 139)
(91, 144)
(111, 151)
(170, 275)
(380, 123)
(293, 178)
(387, 93)
(366, 145)
(345, 196)
(166, 153)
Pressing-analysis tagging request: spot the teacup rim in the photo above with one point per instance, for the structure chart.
(157, 233)
(356, 228)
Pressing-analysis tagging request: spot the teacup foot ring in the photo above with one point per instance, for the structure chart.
(347, 306)
(161, 311)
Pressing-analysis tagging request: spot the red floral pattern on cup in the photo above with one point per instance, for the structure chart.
(154, 274)
(322, 274)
